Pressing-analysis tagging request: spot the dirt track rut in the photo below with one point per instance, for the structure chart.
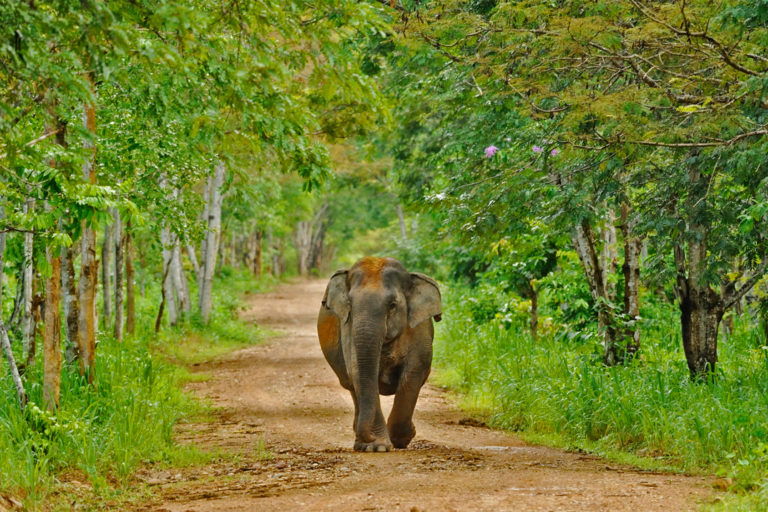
(282, 396)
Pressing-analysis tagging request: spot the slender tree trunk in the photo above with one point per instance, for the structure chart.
(193, 260)
(106, 278)
(275, 245)
(52, 333)
(27, 322)
(302, 239)
(21, 393)
(631, 270)
(2, 262)
(233, 250)
(130, 299)
(119, 241)
(88, 263)
(534, 310)
(212, 240)
(204, 242)
(168, 288)
(583, 241)
(317, 246)
(18, 303)
(37, 319)
(401, 220)
(609, 254)
(179, 278)
(257, 250)
(309, 237)
(71, 303)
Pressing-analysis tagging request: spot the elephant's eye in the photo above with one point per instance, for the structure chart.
(392, 305)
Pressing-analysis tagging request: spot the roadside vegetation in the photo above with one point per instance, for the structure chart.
(102, 434)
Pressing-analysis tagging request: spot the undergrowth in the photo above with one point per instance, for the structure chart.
(104, 431)
(556, 391)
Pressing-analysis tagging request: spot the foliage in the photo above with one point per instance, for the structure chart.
(552, 389)
(106, 431)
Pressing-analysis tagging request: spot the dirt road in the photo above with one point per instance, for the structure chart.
(282, 398)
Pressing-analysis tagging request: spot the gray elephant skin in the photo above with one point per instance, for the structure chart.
(375, 330)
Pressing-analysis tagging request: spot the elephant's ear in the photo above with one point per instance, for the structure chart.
(336, 296)
(423, 300)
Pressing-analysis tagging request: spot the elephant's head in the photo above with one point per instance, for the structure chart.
(376, 301)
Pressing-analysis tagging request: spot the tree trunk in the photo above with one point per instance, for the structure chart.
(168, 288)
(302, 239)
(88, 264)
(257, 252)
(27, 322)
(119, 241)
(18, 306)
(71, 303)
(179, 278)
(233, 250)
(401, 220)
(309, 237)
(21, 393)
(583, 241)
(631, 270)
(204, 242)
(700, 314)
(106, 278)
(2, 262)
(211, 242)
(130, 298)
(277, 255)
(317, 246)
(193, 260)
(609, 254)
(37, 319)
(52, 333)
(534, 311)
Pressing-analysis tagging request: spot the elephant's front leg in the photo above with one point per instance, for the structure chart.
(400, 425)
(372, 436)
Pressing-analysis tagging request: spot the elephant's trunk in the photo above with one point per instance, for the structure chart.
(367, 337)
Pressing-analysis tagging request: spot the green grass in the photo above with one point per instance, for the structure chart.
(555, 391)
(103, 432)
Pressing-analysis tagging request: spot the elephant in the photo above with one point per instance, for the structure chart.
(375, 330)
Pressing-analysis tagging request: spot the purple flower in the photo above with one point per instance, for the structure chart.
(490, 151)
(554, 152)
(537, 149)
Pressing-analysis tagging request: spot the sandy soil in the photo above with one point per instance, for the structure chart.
(285, 415)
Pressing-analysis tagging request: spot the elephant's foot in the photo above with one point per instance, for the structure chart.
(401, 435)
(377, 445)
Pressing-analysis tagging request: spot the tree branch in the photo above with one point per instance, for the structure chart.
(700, 35)
(35, 141)
(736, 295)
(714, 143)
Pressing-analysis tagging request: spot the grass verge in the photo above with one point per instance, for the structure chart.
(555, 391)
(103, 432)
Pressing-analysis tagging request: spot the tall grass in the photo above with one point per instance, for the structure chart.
(102, 432)
(556, 390)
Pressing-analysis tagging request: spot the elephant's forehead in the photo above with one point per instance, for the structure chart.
(371, 270)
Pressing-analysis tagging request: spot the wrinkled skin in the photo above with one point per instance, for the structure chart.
(375, 330)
